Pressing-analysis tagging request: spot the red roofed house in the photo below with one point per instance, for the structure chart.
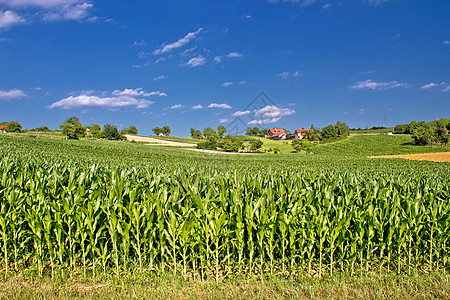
(276, 134)
(300, 133)
(2, 128)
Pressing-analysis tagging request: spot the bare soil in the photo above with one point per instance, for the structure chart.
(156, 142)
(439, 156)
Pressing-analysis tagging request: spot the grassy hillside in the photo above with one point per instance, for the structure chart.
(359, 145)
(374, 145)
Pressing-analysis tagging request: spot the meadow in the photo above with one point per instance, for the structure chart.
(118, 209)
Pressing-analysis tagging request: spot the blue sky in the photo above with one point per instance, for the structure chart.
(196, 63)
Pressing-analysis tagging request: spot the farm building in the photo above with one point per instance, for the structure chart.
(2, 128)
(276, 134)
(300, 133)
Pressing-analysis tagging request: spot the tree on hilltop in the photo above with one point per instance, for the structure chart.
(72, 128)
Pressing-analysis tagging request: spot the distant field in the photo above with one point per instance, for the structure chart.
(438, 156)
(364, 131)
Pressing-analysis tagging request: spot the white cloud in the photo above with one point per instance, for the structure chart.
(241, 113)
(362, 110)
(178, 44)
(428, 86)
(370, 84)
(176, 106)
(55, 10)
(272, 111)
(195, 107)
(140, 43)
(446, 42)
(283, 75)
(326, 6)
(137, 92)
(235, 54)
(196, 61)
(219, 105)
(243, 82)
(224, 120)
(270, 114)
(12, 94)
(161, 77)
(188, 51)
(39, 3)
(218, 59)
(264, 121)
(9, 18)
(85, 101)
(286, 75)
(73, 12)
(376, 2)
(303, 2)
(446, 87)
(228, 83)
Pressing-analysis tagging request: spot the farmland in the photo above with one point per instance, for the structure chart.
(105, 208)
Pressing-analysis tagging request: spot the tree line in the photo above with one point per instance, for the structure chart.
(426, 133)
(216, 139)
(72, 128)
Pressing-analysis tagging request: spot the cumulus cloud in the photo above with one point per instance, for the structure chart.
(219, 105)
(188, 51)
(224, 120)
(195, 107)
(376, 2)
(12, 94)
(176, 106)
(161, 77)
(362, 110)
(55, 10)
(446, 42)
(270, 114)
(118, 99)
(370, 84)
(9, 19)
(138, 43)
(241, 113)
(428, 86)
(178, 44)
(218, 59)
(286, 75)
(137, 92)
(38, 3)
(445, 86)
(196, 61)
(86, 101)
(272, 111)
(228, 83)
(73, 12)
(263, 121)
(235, 54)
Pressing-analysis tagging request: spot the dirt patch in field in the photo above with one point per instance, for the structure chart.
(439, 156)
(220, 152)
(156, 142)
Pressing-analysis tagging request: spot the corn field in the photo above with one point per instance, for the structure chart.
(207, 220)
